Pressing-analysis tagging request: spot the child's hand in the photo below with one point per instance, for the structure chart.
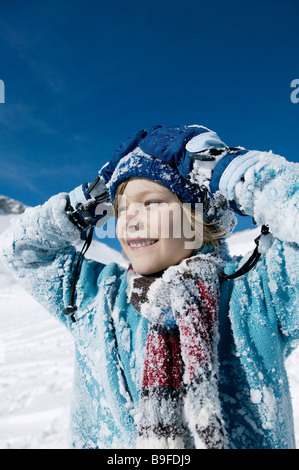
(217, 167)
(89, 203)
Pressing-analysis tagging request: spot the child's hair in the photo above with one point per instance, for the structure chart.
(210, 233)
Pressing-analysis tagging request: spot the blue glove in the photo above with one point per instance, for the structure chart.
(229, 171)
(216, 165)
(169, 143)
(164, 143)
(177, 146)
(194, 150)
(88, 204)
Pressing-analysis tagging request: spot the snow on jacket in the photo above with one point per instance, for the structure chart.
(258, 319)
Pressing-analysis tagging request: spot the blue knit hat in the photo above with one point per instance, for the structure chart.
(159, 155)
(162, 155)
(139, 165)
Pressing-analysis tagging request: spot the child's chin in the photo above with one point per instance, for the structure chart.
(146, 269)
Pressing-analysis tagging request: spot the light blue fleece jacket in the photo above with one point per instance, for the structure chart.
(258, 318)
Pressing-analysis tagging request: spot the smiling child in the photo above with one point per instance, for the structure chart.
(185, 348)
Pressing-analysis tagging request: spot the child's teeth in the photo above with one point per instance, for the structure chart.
(140, 244)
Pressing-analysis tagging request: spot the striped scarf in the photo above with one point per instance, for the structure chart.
(179, 404)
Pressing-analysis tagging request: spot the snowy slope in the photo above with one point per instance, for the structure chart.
(36, 360)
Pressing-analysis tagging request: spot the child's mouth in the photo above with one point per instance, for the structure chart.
(140, 243)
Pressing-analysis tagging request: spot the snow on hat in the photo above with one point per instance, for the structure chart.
(162, 155)
(158, 155)
(138, 164)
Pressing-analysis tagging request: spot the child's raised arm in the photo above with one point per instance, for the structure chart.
(38, 247)
(264, 186)
(267, 189)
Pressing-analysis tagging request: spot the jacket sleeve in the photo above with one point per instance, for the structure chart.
(268, 191)
(39, 249)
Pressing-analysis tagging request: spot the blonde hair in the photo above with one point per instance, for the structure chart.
(210, 233)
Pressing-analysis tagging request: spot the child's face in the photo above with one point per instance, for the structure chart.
(149, 226)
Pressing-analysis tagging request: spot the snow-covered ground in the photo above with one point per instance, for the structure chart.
(36, 362)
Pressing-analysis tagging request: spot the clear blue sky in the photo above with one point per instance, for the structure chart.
(80, 76)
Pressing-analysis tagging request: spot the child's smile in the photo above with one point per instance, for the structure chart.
(140, 243)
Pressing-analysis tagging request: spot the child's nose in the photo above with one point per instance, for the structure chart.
(133, 223)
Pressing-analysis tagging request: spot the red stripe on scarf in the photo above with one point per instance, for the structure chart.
(197, 326)
(163, 363)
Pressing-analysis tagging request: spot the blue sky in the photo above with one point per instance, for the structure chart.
(82, 76)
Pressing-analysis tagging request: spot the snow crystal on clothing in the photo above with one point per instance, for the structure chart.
(270, 194)
(256, 396)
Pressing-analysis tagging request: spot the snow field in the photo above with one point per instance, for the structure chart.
(36, 374)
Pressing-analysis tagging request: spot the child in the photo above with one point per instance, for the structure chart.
(186, 347)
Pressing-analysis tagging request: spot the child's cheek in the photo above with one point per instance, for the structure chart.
(153, 223)
(170, 223)
(120, 230)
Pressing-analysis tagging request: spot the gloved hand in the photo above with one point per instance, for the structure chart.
(202, 154)
(194, 150)
(215, 165)
(164, 143)
(229, 170)
(89, 203)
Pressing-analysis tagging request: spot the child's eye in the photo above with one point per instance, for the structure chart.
(152, 203)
